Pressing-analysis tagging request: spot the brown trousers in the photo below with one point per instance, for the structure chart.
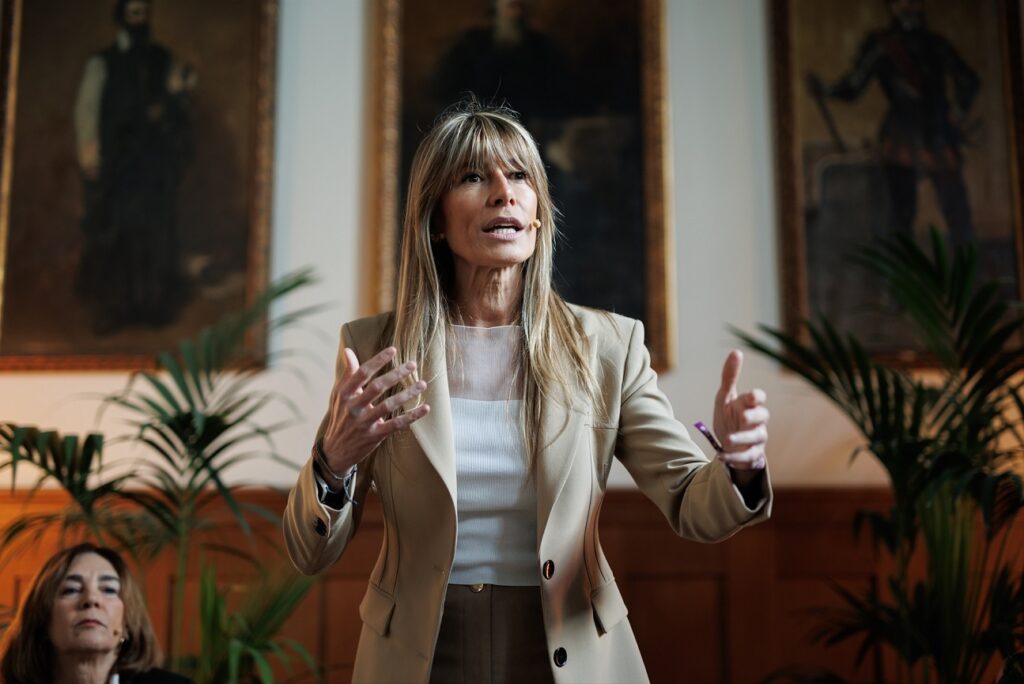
(491, 635)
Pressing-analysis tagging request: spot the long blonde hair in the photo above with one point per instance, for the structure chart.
(554, 355)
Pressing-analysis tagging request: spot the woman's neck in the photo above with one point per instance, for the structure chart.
(92, 668)
(488, 297)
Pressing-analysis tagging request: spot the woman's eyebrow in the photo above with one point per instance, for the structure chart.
(81, 580)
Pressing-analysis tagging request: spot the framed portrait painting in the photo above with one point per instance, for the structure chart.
(136, 174)
(893, 117)
(587, 81)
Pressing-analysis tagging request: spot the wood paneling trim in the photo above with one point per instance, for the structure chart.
(728, 612)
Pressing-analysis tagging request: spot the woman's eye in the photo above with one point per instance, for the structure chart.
(519, 175)
(68, 590)
(110, 590)
(471, 177)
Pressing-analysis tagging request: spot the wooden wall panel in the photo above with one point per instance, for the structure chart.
(728, 612)
(805, 597)
(681, 625)
(342, 623)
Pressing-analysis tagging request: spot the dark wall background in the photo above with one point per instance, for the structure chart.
(578, 89)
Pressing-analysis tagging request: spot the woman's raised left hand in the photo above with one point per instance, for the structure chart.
(741, 423)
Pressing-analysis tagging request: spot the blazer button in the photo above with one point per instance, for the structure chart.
(560, 657)
(549, 569)
(320, 527)
(476, 588)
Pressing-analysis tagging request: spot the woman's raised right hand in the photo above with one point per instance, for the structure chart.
(356, 422)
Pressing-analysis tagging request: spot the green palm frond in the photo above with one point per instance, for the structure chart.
(75, 464)
(235, 645)
(198, 415)
(198, 408)
(945, 444)
(70, 461)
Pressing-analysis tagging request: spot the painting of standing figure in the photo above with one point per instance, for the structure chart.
(136, 173)
(133, 130)
(893, 117)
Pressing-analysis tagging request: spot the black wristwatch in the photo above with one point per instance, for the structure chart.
(333, 490)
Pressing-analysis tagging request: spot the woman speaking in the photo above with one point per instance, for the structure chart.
(486, 411)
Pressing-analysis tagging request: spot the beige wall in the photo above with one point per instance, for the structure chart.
(723, 202)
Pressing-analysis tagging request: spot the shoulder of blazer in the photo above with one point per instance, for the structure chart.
(369, 333)
(604, 327)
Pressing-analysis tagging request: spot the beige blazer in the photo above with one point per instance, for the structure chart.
(583, 610)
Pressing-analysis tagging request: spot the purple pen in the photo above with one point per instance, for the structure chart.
(704, 430)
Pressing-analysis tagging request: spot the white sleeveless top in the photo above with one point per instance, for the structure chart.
(497, 500)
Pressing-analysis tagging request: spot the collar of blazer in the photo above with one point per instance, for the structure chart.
(561, 428)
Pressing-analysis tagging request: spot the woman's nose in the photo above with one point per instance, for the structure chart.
(501, 193)
(89, 599)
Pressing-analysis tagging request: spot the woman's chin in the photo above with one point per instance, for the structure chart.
(90, 644)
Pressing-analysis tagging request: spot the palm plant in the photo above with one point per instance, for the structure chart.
(197, 414)
(948, 444)
(235, 644)
(72, 462)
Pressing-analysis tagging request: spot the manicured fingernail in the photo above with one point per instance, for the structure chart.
(411, 365)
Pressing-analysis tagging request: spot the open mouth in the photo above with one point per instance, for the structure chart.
(503, 226)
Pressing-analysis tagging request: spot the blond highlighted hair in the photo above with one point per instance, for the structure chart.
(553, 358)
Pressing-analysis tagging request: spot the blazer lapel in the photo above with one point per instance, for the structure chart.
(561, 429)
(434, 430)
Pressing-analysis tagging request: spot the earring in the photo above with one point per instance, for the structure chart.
(535, 224)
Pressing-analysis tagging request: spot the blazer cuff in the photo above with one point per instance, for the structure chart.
(315, 506)
(315, 535)
(755, 495)
(334, 498)
(742, 510)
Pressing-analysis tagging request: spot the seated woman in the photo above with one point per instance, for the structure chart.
(83, 621)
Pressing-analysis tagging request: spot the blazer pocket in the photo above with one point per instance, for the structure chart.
(376, 609)
(609, 608)
(603, 437)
